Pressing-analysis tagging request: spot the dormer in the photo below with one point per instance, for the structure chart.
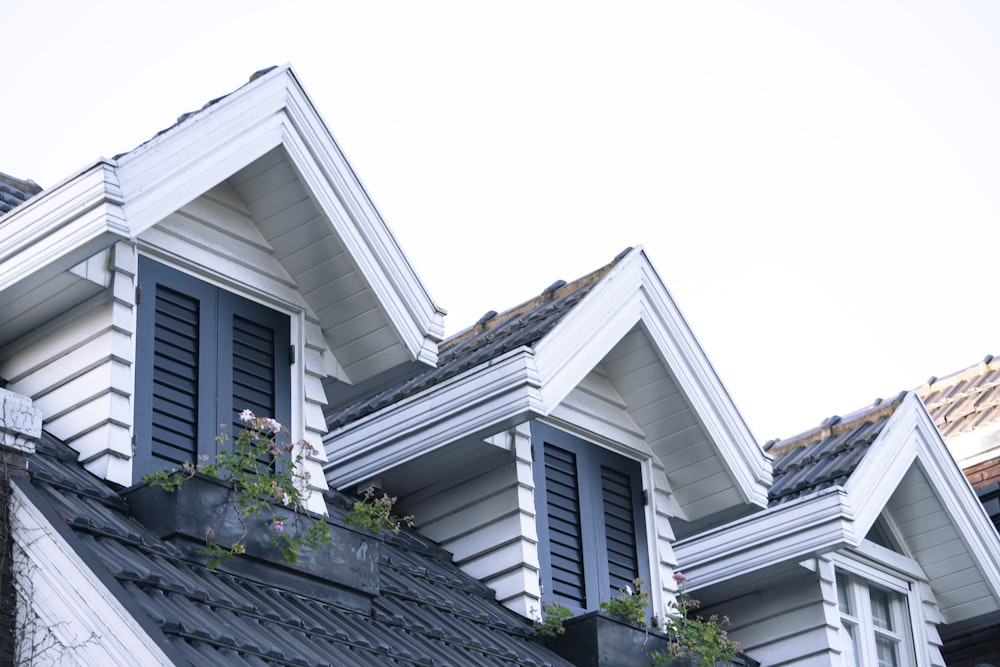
(558, 447)
(232, 261)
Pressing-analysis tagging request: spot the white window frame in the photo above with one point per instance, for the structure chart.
(862, 577)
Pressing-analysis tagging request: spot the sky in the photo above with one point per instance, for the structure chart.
(817, 184)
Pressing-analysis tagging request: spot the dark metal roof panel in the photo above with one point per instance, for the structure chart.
(826, 456)
(14, 192)
(427, 611)
(495, 334)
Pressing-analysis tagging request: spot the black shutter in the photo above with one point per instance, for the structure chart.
(175, 377)
(254, 364)
(590, 519)
(619, 529)
(203, 355)
(562, 501)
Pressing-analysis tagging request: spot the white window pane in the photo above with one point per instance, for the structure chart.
(850, 645)
(844, 595)
(881, 609)
(887, 651)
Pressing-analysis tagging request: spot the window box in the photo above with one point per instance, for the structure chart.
(350, 559)
(597, 638)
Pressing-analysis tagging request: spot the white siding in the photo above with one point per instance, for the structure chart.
(785, 620)
(487, 521)
(77, 368)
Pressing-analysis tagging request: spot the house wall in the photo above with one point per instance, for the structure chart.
(487, 522)
(791, 618)
(79, 368)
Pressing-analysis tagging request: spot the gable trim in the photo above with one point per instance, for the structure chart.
(83, 579)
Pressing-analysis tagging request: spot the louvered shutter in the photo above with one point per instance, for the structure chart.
(254, 362)
(562, 500)
(203, 355)
(619, 528)
(590, 519)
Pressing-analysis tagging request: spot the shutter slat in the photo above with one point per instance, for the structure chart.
(175, 376)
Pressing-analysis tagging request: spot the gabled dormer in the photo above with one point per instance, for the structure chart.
(873, 544)
(558, 446)
(232, 261)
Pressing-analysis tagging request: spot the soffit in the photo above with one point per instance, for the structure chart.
(355, 325)
(698, 475)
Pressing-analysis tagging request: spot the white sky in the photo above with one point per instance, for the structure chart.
(817, 183)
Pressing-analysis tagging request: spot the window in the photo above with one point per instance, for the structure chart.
(591, 527)
(874, 624)
(203, 354)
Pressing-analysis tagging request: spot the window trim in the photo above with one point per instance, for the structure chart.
(590, 459)
(900, 584)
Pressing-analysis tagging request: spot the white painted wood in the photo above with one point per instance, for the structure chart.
(69, 602)
(487, 521)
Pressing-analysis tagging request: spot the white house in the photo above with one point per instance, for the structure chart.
(557, 451)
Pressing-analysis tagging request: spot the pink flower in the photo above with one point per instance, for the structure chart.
(273, 424)
(679, 577)
(246, 416)
(278, 526)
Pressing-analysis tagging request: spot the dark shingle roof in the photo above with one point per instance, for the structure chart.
(14, 192)
(826, 456)
(426, 611)
(494, 334)
(966, 400)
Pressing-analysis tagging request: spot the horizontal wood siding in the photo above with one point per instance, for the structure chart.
(488, 524)
(77, 369)
(786, 621)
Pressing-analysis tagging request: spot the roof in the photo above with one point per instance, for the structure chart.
(14, 192)
(827, 455)
(965, 400)
(425, 611)
(493, 335)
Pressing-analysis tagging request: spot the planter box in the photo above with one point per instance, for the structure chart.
(597, 639)
(350, 559)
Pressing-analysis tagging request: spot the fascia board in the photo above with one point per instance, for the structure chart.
(787, 533)
(340, 195)
(883, 467)
(62, 227)
(586, 334)
(477, 403)
(960, 500)
(169, 171)
(749, 465)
